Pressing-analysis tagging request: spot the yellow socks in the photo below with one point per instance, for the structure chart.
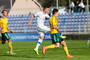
(10, 47)
(66, 51)
(51, 46)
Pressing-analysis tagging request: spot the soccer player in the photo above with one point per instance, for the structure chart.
(3, 31)
(56, 39)
(40, 25)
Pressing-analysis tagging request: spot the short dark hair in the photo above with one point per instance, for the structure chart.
(45, 7)
(3, 11)
(54, 11)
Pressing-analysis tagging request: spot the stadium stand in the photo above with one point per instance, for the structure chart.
(68, 23)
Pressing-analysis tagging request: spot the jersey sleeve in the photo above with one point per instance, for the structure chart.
(36, 14)
(0, 23)
(47, 16)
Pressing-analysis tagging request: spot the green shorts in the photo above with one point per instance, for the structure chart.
(56, 38)
(5, 36)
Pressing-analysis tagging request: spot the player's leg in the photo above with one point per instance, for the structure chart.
(65, 48)
(55, 44)
(41, 32)
(3, 38)
(50, 46)
(53, 41)
(9, 43)
(0, 41)
(63, 43)
(10, 46)
(39, 42)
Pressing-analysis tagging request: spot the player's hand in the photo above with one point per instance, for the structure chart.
(58, 30)
(11, 31)
(57, 19)
(29, 24)
(1, 31)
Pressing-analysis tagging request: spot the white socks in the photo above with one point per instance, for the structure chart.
(38, 43)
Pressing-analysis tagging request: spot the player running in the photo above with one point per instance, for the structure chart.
(3, 30)
(56, 39)
(40, 25)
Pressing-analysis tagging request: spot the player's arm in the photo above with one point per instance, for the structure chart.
(30, 20)
(54, 25)
(1, 31)
(9, 29)
(47, 16)
(37, 4)
(0, 27)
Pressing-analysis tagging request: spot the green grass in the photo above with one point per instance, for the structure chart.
(24, 51)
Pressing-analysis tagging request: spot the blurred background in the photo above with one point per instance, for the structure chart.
(62, 5)
(74, 17)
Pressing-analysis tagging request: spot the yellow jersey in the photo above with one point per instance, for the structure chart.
(53, 22)
(3, 24)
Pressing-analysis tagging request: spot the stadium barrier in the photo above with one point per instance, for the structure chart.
(28, 36)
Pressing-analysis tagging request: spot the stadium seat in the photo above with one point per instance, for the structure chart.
(72, 23)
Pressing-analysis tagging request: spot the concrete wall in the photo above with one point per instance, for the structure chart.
(24, 7)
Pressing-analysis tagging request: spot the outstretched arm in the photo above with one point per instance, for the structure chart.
(30, 20)
(38, 4)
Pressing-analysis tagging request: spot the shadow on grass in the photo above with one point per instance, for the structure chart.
(24, 56)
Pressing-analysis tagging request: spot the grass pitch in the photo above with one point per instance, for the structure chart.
(24, 51)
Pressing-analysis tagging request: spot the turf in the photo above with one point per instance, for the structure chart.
(25, 51)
